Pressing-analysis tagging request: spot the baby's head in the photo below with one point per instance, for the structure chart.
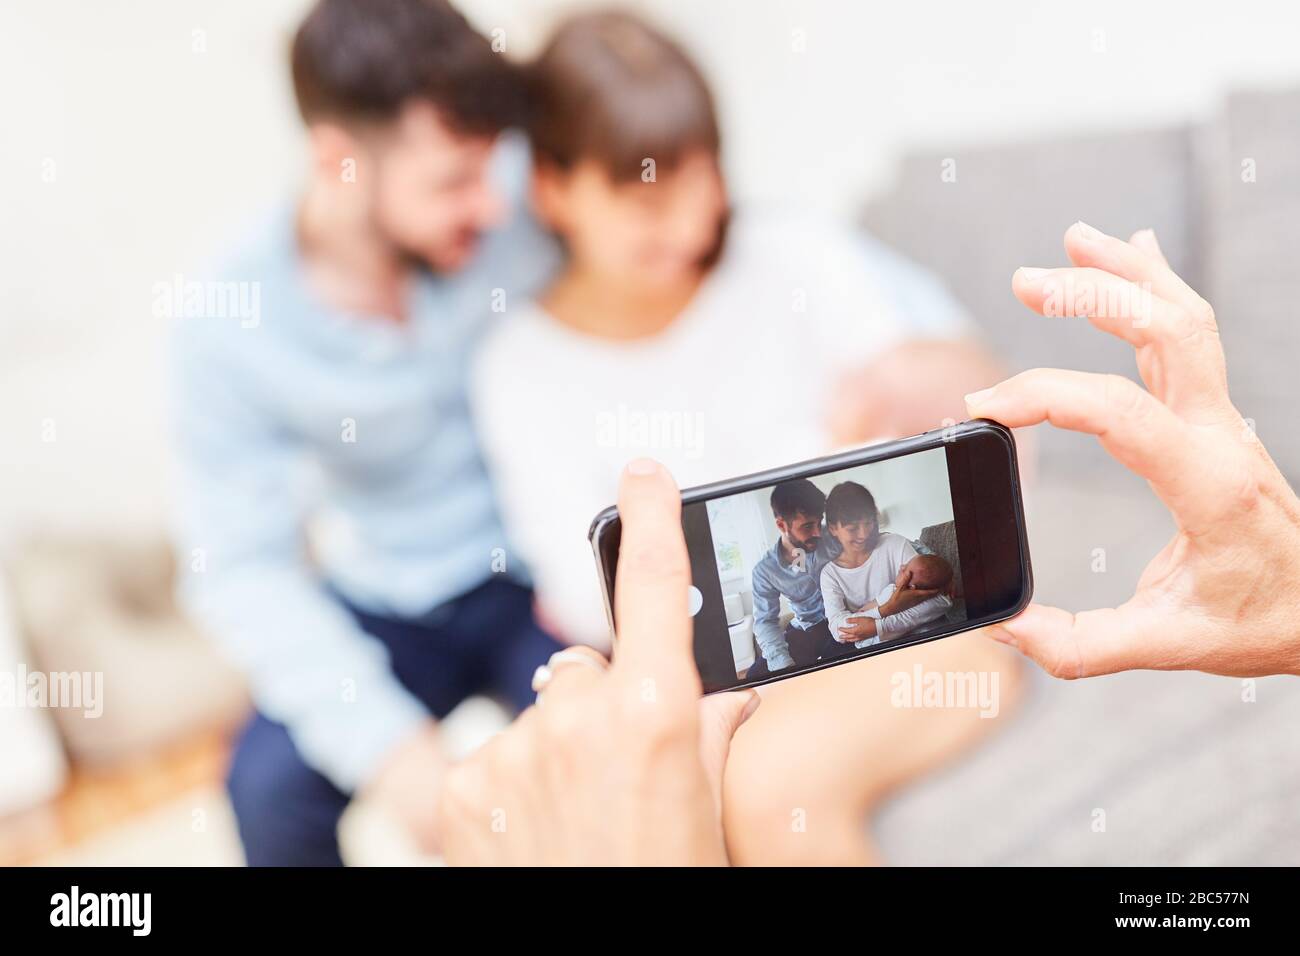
(927, 572)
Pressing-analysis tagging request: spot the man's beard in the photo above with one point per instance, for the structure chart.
(809, 545)
(440, 265)
(461, 248)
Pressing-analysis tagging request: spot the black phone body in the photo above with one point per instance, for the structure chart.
(952, 492)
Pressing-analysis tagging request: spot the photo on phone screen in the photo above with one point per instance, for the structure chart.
(829, 561)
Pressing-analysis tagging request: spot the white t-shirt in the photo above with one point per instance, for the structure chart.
(741, 381)
(845, 590)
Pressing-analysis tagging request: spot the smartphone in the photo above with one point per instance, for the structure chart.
(845, 557)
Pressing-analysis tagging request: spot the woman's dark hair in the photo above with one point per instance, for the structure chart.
(610, 88)
(365, 59)
(800, 496)
(849, 502)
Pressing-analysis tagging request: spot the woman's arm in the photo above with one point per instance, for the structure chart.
(836, 604)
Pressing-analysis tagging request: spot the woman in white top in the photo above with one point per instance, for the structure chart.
(719, 345)
(856, 584)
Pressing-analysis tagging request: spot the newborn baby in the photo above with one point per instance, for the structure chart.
(925, 572)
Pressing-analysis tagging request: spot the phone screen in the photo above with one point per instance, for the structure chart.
(836, 560)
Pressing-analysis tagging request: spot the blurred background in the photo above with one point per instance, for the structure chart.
(138, 135)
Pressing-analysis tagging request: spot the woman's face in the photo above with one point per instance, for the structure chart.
(645, 234)
(854, 536)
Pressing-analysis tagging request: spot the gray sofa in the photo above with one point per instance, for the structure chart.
(942, 540)
(1187, 768)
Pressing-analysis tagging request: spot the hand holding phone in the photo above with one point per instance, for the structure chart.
(860, 553)
(1220, 596)
(621, 764)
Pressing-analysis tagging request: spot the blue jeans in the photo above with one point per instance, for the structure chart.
(485, 641)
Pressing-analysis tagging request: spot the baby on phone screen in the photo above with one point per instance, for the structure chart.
(925, 572)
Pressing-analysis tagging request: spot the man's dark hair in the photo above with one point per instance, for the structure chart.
(365, 59)
(800, 496)
(849, 502)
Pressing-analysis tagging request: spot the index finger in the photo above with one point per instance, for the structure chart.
(651, 581)
(1140, 432)
(1089, 246)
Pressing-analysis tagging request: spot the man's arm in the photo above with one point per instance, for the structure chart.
(245, 578)
(767, 622)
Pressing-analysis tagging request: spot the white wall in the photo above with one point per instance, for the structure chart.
(911, 492)
(823, 126)
(155, 150)
(161, 138)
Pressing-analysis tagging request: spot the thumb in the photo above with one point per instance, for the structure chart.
(720, 717)
(1087, 644)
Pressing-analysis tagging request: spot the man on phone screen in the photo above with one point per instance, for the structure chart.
(793, 568)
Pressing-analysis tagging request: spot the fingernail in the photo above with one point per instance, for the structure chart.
(1085, 231)
(642, 466)
(1151, 235)
(1003, 636)
(748, 712)
(1032, 273)
(983, 395)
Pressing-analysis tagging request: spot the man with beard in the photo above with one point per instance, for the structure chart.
(337, 530)
(793, 568)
